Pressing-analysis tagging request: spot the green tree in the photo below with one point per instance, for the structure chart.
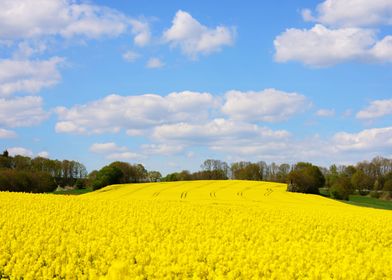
(154, 176)
(341, 189)
(305, 178)
(361, 181)
(244, 170)
(108, 175)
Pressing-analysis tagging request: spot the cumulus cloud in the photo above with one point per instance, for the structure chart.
(193, 38)
(376, 109)
(134, 113)
(221, 135)
(22, 111)
(373, 139)
(141, 30)
(130, 56)
(382, 50)
(43, 154)
(21, 19)
(109, 147)
(113, 152)
(26, 49)
(162, 149)
(14, 151)
(124, 156)
(154, 62)
(28, 76)
(344, 31)
(214, 130)
(232, 138)
(269, 105)
(325, 113)
(321, 46)
(343, 147)
(351, 13)
(5, 133)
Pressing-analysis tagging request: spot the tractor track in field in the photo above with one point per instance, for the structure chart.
(139, 189)
(241, 193)
(268, 192)
(156, 194)
(213, 193)
(185, 193)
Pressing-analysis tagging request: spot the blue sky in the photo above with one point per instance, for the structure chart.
(171, 83)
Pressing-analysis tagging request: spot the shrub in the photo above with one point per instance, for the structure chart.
(388, 185)
(108, 175)
(363, 192)
(305, 178)
(386, 195)
(26, 181)
(341, 189)
(80, 184)
(375, 194)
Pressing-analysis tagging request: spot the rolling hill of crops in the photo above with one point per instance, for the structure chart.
(192, 230)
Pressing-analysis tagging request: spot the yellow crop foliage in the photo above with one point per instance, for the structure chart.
(192, 230)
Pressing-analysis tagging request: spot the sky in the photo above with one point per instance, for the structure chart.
(171, 83)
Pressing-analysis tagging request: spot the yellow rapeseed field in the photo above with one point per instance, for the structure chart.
(192, 230)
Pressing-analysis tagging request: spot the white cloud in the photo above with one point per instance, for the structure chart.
(5, 133)
(124, 156)
(140, 115)
(382, 50)
(193, 38)
(135, 132)
(376, 109)
(325, 113)
(307, 15)
(190, 154)
(20, 151)
(68, 127)
(351, 13)
(28, 76)
(373, 139)
(109, 147)
(22, 111)
(269, 105)
(345, 30)
(26, 49)
(130, 56)
(114, 152)
(232, 138)
(162, 149)
(134, 113)
(141, 30)
(36, 18)
(343, 147)
(43, 154)
(213, 131)
(321, 46)
(154, 62)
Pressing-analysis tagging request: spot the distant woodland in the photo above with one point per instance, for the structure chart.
(25, 174)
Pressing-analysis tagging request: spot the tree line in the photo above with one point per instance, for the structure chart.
(119, 172)
(39, 174)
(366, 177)
(22, 173)
(213, 169)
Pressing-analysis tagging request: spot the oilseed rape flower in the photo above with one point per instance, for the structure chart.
(192, 230)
